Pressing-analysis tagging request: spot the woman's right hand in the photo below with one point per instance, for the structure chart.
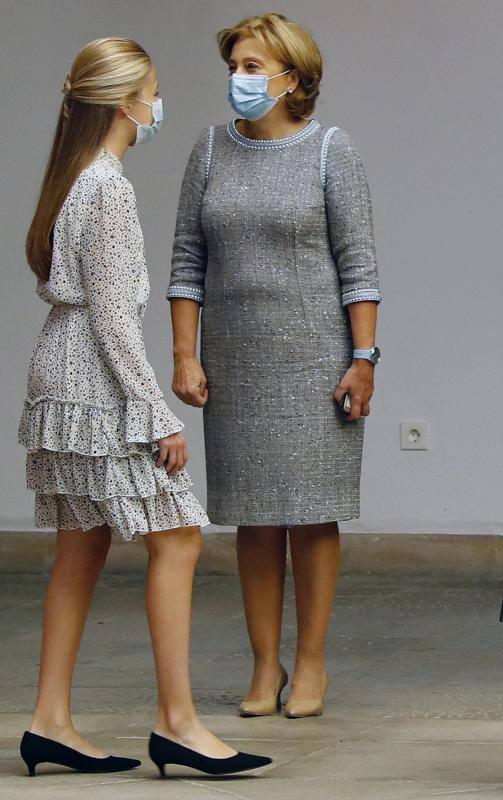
(189, 381)
(172, 453)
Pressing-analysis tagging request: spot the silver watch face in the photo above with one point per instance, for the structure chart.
(375, 354)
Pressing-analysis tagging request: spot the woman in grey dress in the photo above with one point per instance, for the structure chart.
(274, 241)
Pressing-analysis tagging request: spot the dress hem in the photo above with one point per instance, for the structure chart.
(64, 425)
(127, 517)
(327, 518)
(138, 533)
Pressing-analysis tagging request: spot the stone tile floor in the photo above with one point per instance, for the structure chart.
(414, 709)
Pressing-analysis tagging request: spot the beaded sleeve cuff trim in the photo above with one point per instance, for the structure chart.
(354, 295)
(185, 291)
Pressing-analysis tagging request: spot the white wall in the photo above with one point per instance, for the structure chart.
(417, 83)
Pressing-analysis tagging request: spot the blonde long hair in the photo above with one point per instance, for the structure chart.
(106, 73)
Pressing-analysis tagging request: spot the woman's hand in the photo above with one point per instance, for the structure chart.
(189, 381)
(172, 452)
(359, 382)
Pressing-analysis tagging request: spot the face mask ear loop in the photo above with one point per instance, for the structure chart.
(277, 76)
(133, 120)
(145, 102)
(281, 73)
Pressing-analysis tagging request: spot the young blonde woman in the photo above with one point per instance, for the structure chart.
(105, 455)
(274, 242)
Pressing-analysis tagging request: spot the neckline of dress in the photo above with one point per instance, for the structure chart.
(111, 158)
(274, 144)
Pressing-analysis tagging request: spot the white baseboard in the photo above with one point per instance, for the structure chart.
(361, 525)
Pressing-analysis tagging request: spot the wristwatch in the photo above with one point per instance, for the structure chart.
(372, 354)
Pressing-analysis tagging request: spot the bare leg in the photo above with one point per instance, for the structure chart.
(173, 556)
(79, 558)
(261, 554)
(315, 552)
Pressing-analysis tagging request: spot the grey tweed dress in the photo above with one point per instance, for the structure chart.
(274, 238)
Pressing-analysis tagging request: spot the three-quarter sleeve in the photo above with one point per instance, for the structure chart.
(110, 265)
(189, 255)
(349, 219)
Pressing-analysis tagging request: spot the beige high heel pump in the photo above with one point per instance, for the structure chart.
(307, 708)
(260, 708)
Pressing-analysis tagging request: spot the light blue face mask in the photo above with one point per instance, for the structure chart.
(249, 95)
(146, 132)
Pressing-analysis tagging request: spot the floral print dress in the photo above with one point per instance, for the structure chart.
(93, 411)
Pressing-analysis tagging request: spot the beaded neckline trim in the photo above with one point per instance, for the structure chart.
(274, 144)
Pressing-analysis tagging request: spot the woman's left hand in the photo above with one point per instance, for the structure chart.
(359, 382)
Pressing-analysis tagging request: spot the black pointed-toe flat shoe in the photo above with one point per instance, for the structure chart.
(164, 751)
(36, 749)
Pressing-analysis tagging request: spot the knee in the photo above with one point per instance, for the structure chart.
(87, 550)
(98, 552)
(189, 542)
(183, 544)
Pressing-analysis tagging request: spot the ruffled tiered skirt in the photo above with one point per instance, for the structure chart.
(90, 465)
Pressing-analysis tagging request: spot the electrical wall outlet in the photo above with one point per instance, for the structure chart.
(414, 436)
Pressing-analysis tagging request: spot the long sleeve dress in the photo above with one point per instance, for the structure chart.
(274, 239)
(93, 411)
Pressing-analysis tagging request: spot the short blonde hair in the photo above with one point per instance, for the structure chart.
(289, 43)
